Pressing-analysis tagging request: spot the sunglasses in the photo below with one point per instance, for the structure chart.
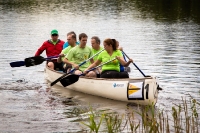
(54, 34)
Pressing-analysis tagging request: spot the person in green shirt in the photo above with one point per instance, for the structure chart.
(79, 54)
(71, 39)
(66, 44)
(111, 69)
(95, 43)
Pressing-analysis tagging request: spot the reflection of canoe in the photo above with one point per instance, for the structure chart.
(134, 90)
(91, 100)
(74, 98)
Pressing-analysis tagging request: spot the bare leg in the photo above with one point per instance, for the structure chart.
(78, 72)
(50, 65)
(91, 74)
(68, 70)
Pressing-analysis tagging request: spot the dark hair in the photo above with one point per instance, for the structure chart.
(72, 33)
(82, 35)
(111, 42)
(96, 38)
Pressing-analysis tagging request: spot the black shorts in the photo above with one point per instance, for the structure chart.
(57, 66)
(114, 74)
(66, 67)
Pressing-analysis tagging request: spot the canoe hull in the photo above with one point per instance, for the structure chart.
(141, 91)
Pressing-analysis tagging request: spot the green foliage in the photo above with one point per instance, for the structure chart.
(113, 123)
(182, 119)
(93, 125)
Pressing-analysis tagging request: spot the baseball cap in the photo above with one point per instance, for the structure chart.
(54, 32)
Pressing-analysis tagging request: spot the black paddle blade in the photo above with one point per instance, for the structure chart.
(32, 61)
(17, 64)
(69, 80)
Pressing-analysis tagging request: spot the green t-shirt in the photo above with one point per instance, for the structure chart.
(113, 65)
(96, 51)
(65, 51)
(79, 55)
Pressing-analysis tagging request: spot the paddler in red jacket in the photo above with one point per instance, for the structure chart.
(53, 47)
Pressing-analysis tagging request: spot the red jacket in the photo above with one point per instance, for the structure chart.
(51, 49)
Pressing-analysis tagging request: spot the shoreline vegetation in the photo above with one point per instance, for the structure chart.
(182, 118)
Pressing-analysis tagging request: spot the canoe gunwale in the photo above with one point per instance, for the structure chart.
(120, 79)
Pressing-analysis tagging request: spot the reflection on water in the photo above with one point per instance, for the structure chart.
(169, 11)
(33, 111)
(162, 37)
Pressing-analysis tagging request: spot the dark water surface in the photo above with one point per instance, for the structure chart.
(162, 37)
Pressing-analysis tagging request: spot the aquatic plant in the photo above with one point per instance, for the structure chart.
(93, 125)
(181, 118)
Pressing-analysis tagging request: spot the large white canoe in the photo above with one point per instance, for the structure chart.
(143, 91)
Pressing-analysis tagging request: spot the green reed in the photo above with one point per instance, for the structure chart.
(113, 123)
(134, 126)
(94, 125)
(181, 118)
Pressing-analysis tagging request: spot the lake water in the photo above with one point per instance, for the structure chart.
(162, 37)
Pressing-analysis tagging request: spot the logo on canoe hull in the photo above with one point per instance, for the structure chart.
(115, 85)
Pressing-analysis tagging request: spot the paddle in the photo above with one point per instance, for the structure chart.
(74, 78)
(54, 82)
(135, 65)
(17, 64)
(31, 61)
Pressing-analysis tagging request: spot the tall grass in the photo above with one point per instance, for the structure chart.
(182, 118)
(93, 125)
